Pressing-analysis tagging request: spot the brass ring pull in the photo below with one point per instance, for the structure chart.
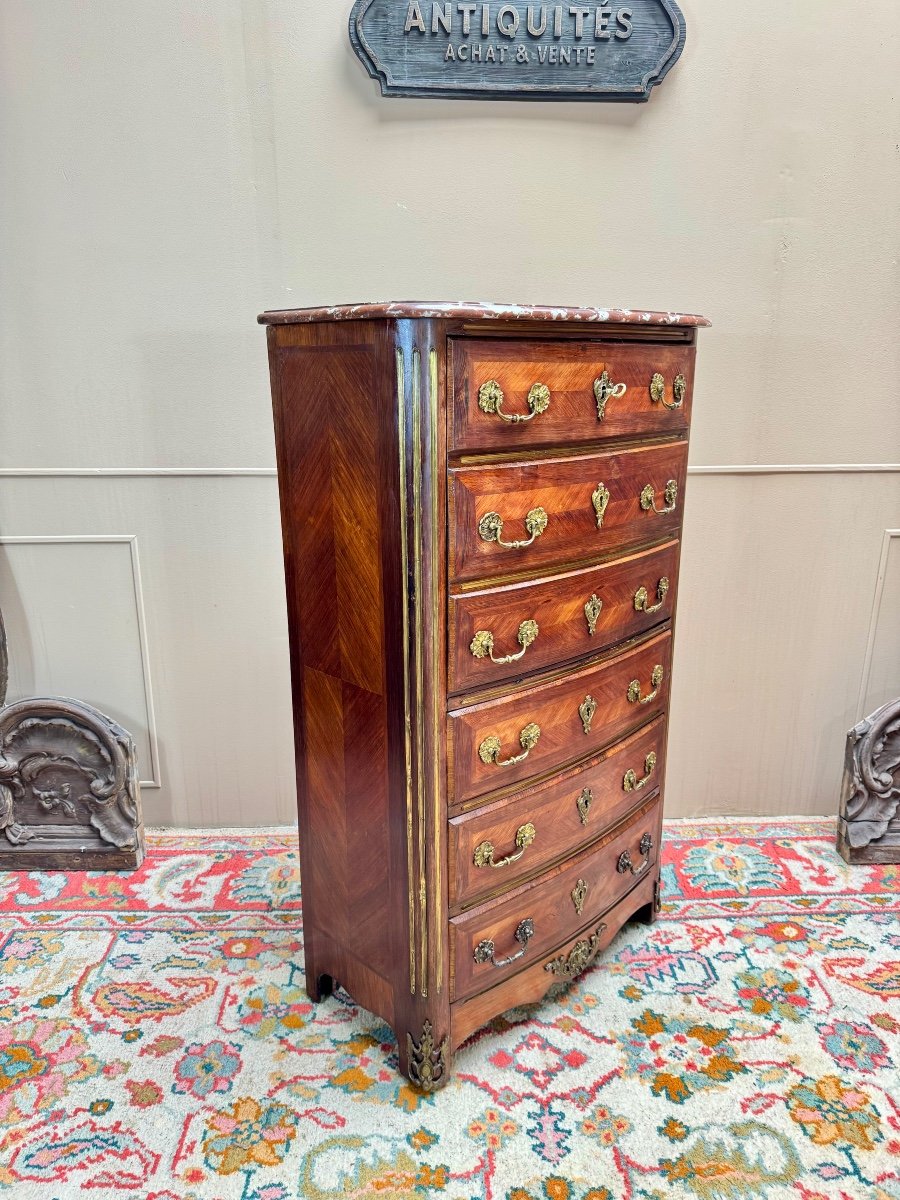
(484, 851)
(490, 400)
(648, 498)
(567, 966)
(634, 688)
(641, 596)
(482, 645)
(484, 951)
(600, 499)
(604, 391)
(489, 750)
(624, 865)
(658, 391)
(491, 527)
(631, 783)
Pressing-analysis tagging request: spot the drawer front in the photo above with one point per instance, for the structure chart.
(499, 938)
(523, 516)
(509, 395)
(499, 845)
(565, 962)
(500, 742)
(550, 621)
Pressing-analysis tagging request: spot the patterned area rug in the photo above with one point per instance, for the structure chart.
(155, 1039)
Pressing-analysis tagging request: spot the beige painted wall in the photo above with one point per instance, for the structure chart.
(169, 168)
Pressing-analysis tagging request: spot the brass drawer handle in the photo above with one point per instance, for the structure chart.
(567, 966)
(491, 527)
(600, 499)
(584, 802)
(489, 750)
(484, 851)
(482, 645)
(634, 688)
(604, 391)
(631, 783)
(624, 865)
(658, 391)
(484, 951)
(641, 596)
(648, 498)
(490, 400)
(592, 611)
(586, 710)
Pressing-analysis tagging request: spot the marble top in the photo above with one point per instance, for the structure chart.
(479, 310)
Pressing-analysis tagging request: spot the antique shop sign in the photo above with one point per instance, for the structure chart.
(615, 51)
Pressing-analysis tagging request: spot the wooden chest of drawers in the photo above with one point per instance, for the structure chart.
(481, 510)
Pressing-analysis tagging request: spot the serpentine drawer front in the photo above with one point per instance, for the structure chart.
(525, 516)
(481, 510)
(494, 847)
(530, 730)
(510, 395)
(500, 634)
(510, 932)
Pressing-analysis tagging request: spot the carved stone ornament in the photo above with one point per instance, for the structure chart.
(69, 796)
(427, 1062)
(869, 826)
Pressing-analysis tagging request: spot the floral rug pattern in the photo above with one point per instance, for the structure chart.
(156, 1040)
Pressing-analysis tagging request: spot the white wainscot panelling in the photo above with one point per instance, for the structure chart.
(74, 616)
(881, 673)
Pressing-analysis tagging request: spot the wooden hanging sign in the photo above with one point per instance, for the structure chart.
(487, 50)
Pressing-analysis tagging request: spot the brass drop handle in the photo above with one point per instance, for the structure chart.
(489, 750)
(482, 644)
(604, 391)
(484, 851)
(484, 951)
(658, 391)
(490, 400)
(648, 498)
(491, 527)
(634, 688)
(641, 597)
(631, 783)
(624, 865)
